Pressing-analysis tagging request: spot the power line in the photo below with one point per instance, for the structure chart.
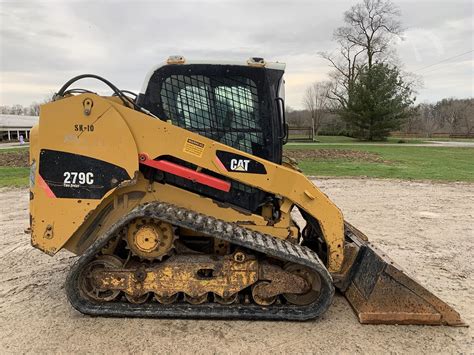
(445, 60)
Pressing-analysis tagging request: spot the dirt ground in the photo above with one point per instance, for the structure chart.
(15, 158)
(427, 228)
(330, 154)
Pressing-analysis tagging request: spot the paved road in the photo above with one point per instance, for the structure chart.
(13, 145)
(454, 143)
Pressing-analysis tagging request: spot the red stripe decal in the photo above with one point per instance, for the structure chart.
(186, 173)
(45, 187)
(220, 164)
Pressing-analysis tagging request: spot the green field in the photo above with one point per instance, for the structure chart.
(13, 177)
(399, 162)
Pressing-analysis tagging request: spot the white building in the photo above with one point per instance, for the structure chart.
(12, 126)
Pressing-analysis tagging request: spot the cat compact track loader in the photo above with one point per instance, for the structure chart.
(179, 204)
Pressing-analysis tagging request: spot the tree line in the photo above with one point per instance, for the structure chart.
(20, 110)
(448, 116)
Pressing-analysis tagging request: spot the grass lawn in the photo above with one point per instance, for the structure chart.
(14, 174)
(14, 149)
(420, 163)
(11, 176)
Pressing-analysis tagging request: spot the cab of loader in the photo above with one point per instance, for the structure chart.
(240, 104)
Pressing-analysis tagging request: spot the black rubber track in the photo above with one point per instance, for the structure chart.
(216, 228)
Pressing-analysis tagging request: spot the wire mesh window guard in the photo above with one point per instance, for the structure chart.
(225, 109)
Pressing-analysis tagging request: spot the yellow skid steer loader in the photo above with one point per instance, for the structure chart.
(179, 204)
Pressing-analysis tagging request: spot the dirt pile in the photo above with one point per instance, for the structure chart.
(15, 159)
(331, 154)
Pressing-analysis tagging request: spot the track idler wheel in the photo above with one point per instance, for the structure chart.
(258, 294)
(87, 285)
(314, 285)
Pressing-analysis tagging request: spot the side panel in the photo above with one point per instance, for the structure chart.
(157, 138)
(80, 159)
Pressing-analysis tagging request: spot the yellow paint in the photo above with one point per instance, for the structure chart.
(179, 274)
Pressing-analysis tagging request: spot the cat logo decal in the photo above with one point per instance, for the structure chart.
(239, 164)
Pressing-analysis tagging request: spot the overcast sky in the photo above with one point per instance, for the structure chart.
(45, 43)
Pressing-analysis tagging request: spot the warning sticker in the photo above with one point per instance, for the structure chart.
(193, 147)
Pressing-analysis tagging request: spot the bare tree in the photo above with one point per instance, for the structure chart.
(429, 119)
(34, 109)
(456, 115)
(315, 101)
(453, 116)
(371, 26)
(369, 29)
(347, 64)
(468, 116)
